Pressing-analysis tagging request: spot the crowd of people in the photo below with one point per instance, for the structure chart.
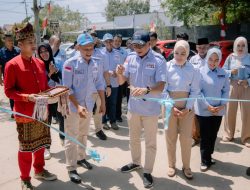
(98, 78)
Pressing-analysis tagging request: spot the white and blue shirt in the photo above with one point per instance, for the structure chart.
(213, 84)
(197, 61)
(145, 72)
(83, 80)
(242, 64)
(183, 78)
(112, 59)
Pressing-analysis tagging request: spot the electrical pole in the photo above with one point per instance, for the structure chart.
(36, 11)
(25, 4)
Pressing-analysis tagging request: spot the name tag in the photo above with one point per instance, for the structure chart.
(221, 76)
(79, 72)
(150, 66)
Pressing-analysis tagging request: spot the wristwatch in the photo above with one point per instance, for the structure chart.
(109, 86)
(148, 90)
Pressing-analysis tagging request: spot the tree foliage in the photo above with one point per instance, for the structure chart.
(198, 12)
(126, 7)
(69, 20)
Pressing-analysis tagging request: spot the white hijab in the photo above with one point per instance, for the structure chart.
(212, 51)
(184, 44)
(237, 40)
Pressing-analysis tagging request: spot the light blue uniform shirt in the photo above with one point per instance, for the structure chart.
(145, 72)
(197, 61)
(60, 59)
(183, 79)
(112, 59)
(243, 64)
(83, 80)
(123, 53)
(213, 84)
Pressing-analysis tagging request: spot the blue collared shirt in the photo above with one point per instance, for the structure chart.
(197, 61)
(83, 80)
(145, 72)
(213, 84)
(60, 59)
(6, 55)
(112, 59)
(183, 79)
(233, 62)
(123, 52)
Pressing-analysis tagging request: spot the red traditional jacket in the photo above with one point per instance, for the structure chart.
(23, 77)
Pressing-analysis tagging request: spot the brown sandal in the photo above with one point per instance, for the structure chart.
(187, 173)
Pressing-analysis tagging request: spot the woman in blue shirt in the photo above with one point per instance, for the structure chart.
(214, 83)
(182, 82)
(237, 65)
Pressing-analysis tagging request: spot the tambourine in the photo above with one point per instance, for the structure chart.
(54, 93)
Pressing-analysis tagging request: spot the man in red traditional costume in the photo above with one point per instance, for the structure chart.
(25, 76)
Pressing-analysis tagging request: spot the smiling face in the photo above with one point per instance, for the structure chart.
(86, 51)
(117, 42)
(180, 55)
(240, 48)
(213, 61)
(108, 44)
(44, 54)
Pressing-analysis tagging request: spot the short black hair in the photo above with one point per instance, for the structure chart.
(153, 34)
(93, 33)
(184, 36)
(118, 36)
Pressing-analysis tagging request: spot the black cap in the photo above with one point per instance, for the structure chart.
(202, 41)
(140, 37)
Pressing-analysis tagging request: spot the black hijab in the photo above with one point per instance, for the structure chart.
(56, 76)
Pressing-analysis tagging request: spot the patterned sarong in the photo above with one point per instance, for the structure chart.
(33, 136)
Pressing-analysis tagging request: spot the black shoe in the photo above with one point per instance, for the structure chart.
(212, 162)
(101, 135)
(74, 177)
(119, 120)
(84, 163)
(147, 180)
(248, 171)
(130, 168)
(12, 116)
(114, 126)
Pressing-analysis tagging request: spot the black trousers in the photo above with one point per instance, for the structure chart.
(122, 92)
(54, 113)
(209, 127)
(11, 104)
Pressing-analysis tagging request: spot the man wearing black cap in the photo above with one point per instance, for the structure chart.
(198, 62)
(8, 52)
(145, 71)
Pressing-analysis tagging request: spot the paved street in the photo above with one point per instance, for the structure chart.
(232, 159)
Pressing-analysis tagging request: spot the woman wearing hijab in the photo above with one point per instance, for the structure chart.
(182, 82)
(214, 83)
(54, 77)
(237, 65)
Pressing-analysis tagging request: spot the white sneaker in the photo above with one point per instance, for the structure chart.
(62, 142)
(47, 154)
